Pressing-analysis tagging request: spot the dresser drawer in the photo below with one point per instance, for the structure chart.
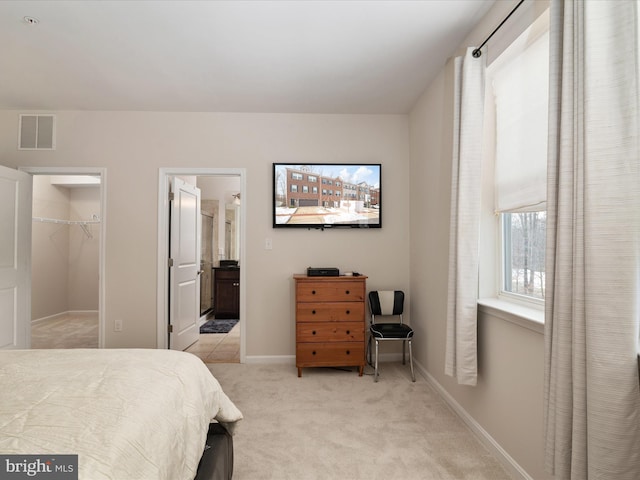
(330, 354)
(227, 274)
(330, 312)
(330, 332)
(343, 291)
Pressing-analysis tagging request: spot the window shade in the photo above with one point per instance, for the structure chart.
(521, 89)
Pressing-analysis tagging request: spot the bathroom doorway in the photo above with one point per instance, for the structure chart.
(219, 339)
(222, 248)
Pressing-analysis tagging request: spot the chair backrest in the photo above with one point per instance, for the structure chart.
(386, 302)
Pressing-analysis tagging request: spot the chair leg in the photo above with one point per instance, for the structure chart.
(369, 350)
(413, 375)
(375, 372)
(404, 360)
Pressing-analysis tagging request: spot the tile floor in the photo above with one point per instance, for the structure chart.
(218, 347)
(80, 330)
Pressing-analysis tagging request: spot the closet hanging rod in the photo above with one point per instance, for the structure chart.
(82, 223)
(64, 222)
(477, 52)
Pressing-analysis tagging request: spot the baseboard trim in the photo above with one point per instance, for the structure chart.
(485, 438)
(291, 359)
(271, 359)
(390, 357)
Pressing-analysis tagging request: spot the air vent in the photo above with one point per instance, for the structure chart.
(37, 132)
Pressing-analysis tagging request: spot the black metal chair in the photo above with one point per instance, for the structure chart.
(389, 303)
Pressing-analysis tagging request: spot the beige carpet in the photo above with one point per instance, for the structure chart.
(333, 424)
(67, 330)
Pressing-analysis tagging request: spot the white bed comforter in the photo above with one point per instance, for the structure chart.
(128, 414)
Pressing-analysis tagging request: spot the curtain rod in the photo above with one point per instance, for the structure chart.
(476, 53)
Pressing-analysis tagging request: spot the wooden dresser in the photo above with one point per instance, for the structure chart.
(330, 320)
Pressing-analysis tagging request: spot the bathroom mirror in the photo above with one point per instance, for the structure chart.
(231, 234)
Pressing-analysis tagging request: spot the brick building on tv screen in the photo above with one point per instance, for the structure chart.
(308, 189)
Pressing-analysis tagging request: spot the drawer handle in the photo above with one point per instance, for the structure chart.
(347, 292)
(313, 353)
(313, 292)
(348, 332)
(348, 312)
(313, 312)
(348, 352)
(313, 333)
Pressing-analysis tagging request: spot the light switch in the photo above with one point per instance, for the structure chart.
(267, 244)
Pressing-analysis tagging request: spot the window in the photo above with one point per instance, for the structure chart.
(294, 188)
(313, 178)
(518, 83)
(523, 244)
(305, 189)
(296, 176)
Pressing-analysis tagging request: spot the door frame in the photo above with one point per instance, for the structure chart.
(102, 173)
(163, 246)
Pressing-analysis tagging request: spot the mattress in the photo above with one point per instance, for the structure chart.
(127, 413)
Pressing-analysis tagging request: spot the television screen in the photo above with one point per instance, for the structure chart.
(326, 195)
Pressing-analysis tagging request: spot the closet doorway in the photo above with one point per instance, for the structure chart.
(66, 258)
(221, 281)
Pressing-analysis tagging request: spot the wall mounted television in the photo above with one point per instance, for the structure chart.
(327, 195)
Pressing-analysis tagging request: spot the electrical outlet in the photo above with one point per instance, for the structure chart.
(117, 326)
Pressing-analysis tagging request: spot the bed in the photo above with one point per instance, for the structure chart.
(126, 413)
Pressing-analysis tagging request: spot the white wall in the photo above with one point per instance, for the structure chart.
(507, 402)
(133, 145)
(84, 251)
(50, 250)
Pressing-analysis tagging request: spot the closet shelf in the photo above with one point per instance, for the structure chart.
(64, 222)
(82, 223)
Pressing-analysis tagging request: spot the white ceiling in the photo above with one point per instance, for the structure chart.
(227, 56)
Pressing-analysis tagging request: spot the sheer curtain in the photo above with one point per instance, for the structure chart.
(461, 347)
(592, 396)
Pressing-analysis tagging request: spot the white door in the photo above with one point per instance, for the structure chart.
(15, 259)
(184, 270)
